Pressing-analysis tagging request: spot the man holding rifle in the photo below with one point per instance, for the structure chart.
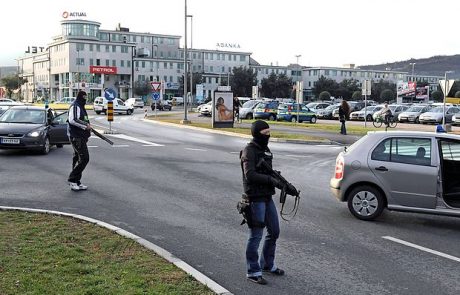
(259, 187)
(78, 130)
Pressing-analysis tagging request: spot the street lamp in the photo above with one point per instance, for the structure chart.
(78, 68)
(185, 120)
(191, 57)
(413, 65)
(157, 72)
(444, 104)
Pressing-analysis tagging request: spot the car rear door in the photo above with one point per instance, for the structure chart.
(411, 177)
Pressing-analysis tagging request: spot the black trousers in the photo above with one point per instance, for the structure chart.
(80, 158)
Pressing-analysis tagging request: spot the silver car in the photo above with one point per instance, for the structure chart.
(367, 111)
(401, 171)
(435, 115)
(247, 110)
(413, 114)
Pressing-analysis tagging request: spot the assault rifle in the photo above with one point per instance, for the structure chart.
(102, 136)
(288, 189)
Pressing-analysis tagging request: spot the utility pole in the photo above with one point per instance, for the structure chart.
(185, 120)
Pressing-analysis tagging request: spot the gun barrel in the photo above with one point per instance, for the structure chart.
(102, 137)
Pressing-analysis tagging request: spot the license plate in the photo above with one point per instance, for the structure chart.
(10, 141)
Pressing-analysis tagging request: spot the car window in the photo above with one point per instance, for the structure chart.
(382, 151)
(61, 118)
(416, 151)
(450, 150)
(24, 116)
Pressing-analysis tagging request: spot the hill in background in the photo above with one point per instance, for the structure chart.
(432, 66)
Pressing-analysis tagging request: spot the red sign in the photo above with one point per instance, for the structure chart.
(103, 70)
(156, 86)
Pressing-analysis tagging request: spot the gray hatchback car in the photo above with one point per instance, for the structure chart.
(401, 171)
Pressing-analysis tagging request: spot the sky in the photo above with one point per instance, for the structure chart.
(322, 32)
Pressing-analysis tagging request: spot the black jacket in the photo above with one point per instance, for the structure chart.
(257, 183)
(342, 114)
(77, 122)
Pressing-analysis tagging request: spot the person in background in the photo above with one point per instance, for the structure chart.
(344, 112)
(236, 109)
(78, 130)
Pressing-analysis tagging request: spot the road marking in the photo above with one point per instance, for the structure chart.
(151, 145)
(235, 153)
(120, 145)
(422, 248)
(93, 146)
(198, 150)
(126, 137)
(298, 156)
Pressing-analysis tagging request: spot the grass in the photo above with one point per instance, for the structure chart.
(242, 130)
(46, 254)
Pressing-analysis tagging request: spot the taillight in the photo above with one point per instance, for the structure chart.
(339, 168)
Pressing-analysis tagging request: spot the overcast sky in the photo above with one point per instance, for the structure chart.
(323, 32)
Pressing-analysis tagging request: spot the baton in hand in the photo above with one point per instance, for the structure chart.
(102, 136)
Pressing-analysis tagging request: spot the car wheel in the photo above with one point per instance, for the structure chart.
(366, 202)
(313, 120)
(59, 145)
(46, 147)
(369, 118)
(417, 121)
(293, 119)
(129, 112)
(249, 116)
(98, 112)
(271, 117)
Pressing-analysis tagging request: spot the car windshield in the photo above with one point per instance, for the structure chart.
(369, 109)
(312, 105)
(249, 104)
(332, 107)
(436, 110)
(415, 109)
(23, 116)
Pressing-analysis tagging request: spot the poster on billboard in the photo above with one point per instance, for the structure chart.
(422, 93)
(222, 110)
(199, 93)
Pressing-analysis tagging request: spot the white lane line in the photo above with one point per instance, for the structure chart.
(297, 156)
(235, 153)
(126, 137)
(422, 248)
(151, 145)
(120, 145)
(93, 146)
(198, 150)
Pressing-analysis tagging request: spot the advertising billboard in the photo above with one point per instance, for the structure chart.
(406, 88)
(422, 93)
(222, 109)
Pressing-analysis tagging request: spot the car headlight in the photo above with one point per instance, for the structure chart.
(34, 134)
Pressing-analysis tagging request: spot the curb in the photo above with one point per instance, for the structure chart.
(215, 287)
(272, 139)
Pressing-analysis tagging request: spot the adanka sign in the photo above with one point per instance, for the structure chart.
(228, 45)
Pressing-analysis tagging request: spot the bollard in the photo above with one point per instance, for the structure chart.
(145, 113)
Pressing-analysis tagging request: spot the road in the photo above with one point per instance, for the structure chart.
(178, 188)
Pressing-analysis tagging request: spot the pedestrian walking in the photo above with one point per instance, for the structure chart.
(259, 187)
(78, 130)
(344, 112)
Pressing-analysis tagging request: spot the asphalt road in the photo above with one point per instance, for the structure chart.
(178, 188)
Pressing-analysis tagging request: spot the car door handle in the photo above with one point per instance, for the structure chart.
(381, 168)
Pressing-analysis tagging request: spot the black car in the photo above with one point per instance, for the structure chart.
(162, 106)
(31, 127)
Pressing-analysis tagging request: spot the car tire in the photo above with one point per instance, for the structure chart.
(129, 112)
(417, 120)
(366, 202)
(271, 117)
(293, 119)
(249, 116)
(46, 147)
(98, 112)
(313, 120)
(369, 118)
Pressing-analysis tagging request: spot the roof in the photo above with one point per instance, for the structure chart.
(414, 133)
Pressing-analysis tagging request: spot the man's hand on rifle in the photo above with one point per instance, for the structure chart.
(88, 127)
(276, 182)
(291, 190)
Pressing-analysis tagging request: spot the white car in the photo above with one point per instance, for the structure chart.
(435, 115)
(413, 114)
(100, 106)
(206, 109)
(247, 110)
(135, 102)
(368, 112)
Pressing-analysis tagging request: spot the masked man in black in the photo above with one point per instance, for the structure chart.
(259, 187)
(78, 130)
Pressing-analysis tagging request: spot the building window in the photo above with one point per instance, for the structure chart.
(242, 58)
(80, 61)
(155, 40)
(91, 47)
(143, 64)
(98, 48)
(212, 68)
(114, 48)
(128, 63)
(165, 65)
(122, 63)
(80, 47)
(91, 62)
(98, 62)
(171, 65)
(142, 39)
(107, 63)
(107, 48)
(114, 63)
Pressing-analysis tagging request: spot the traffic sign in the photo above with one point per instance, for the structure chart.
(447, 85)
(109, 94)
(156, 96)
(156, 86)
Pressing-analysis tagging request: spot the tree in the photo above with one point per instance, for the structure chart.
(197, 79)
(324, 95)
(387, 95)
(346, 88)
(142, 88)
(357, 95)
(242, 80)
(11, 83)
(276, 86)
(437, 95)
(325, 84)
(379, 87)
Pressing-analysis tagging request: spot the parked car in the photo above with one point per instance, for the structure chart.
(135, 102)
(357, 105)
(100, 106)
(435, 115)
(266, 110)
(31, 127)
(327, 112)
(413, 113)
(367, 111)
(316, 106)
(247, 110)
(67, 100)
(402, 171)
(293, 111)
(6, 100)
(163, 105)
(456, 119)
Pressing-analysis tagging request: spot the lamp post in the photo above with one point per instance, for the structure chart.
(413, 65)
(444, 103)
(157, 74)
(78, 69)
(298, 102)
(191, 58)
(185, 120)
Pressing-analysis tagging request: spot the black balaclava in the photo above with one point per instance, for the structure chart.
(259, 138)
(80, 97)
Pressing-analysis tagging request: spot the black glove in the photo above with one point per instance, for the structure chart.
(291, 190)
(276, 183)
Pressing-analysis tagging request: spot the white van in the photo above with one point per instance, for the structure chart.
(100, 106)
(135, 102)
